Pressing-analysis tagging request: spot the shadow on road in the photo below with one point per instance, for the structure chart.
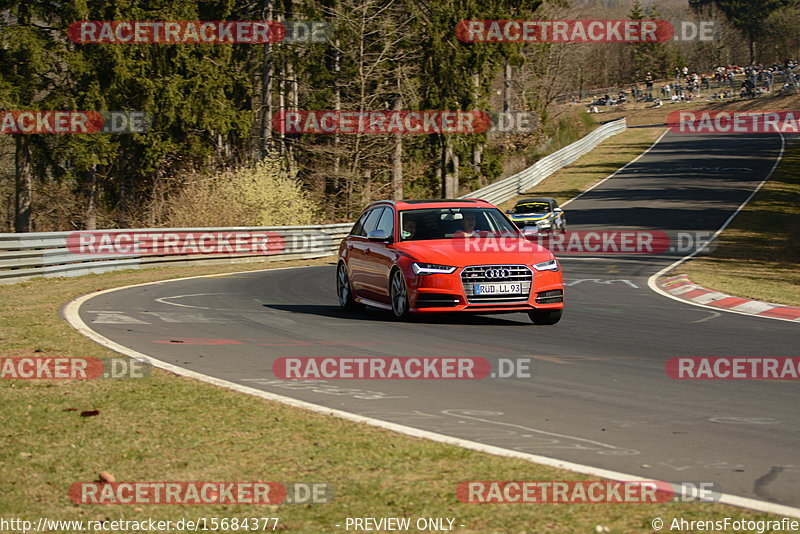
(374, 315)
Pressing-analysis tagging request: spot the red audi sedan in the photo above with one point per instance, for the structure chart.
(429, 256)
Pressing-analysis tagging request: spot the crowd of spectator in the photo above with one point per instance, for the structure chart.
(727, 81)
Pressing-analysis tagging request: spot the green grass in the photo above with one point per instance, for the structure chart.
(757, 256)
(169, 428)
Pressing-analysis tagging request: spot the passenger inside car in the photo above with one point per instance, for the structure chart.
(409, 228)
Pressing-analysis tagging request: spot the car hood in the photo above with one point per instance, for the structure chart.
(475, 251)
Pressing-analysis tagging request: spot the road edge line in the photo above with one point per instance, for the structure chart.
(652, 282)
(70, 312)
(631, 162)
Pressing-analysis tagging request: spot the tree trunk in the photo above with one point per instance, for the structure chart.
(397, 159)
(366, 191)
(266, 90)
(449, 178)
(23, 185)
(507, 88)
(292, 92)
(337, 106)
(90, 194)
(282, 98)
(477, 150)
(397, 167)
(453, 176)
(442, 171)
(293, 103)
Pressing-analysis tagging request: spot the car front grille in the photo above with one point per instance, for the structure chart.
(483, 274)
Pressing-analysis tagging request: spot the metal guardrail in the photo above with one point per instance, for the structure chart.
(54, 254)
(517, 184)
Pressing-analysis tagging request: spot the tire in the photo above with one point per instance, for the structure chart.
(398, 295)
(545, 317)
(346, 300)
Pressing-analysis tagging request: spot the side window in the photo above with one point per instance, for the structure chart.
(386, 223)
(372, 221)
(358, 228)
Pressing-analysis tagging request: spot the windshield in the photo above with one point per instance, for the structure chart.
(532, 207)
(449, 223)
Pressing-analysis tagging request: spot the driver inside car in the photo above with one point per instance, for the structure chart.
(467, 228)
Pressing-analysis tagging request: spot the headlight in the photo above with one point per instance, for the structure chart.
(431, 268)
(543, 223)
(549, 265)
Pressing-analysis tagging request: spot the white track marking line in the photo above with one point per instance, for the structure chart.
(652, 281)
(713, 316)
(72, 316)
(637, 158)
(163, 300)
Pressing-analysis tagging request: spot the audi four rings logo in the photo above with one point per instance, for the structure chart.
(497, 273)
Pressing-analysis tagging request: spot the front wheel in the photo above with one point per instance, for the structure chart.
(399, 295)
(545, 317)
(346, 300)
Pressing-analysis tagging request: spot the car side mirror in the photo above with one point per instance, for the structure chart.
(378, 235)
(558, 210)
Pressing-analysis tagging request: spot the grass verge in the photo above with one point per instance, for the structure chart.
(757, 256)
(168, 428)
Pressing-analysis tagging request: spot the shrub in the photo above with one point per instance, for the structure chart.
(257, 195)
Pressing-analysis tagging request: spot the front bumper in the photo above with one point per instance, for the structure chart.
(455, 292)
(541, 224)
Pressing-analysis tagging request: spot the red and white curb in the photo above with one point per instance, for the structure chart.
(681, 287)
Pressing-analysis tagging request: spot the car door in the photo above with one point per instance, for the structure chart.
(358, 251)
(381, 258)
(352, 251)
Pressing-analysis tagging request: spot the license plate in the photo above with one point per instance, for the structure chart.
(497, 289)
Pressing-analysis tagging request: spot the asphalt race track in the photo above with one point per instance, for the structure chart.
(599, 394)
